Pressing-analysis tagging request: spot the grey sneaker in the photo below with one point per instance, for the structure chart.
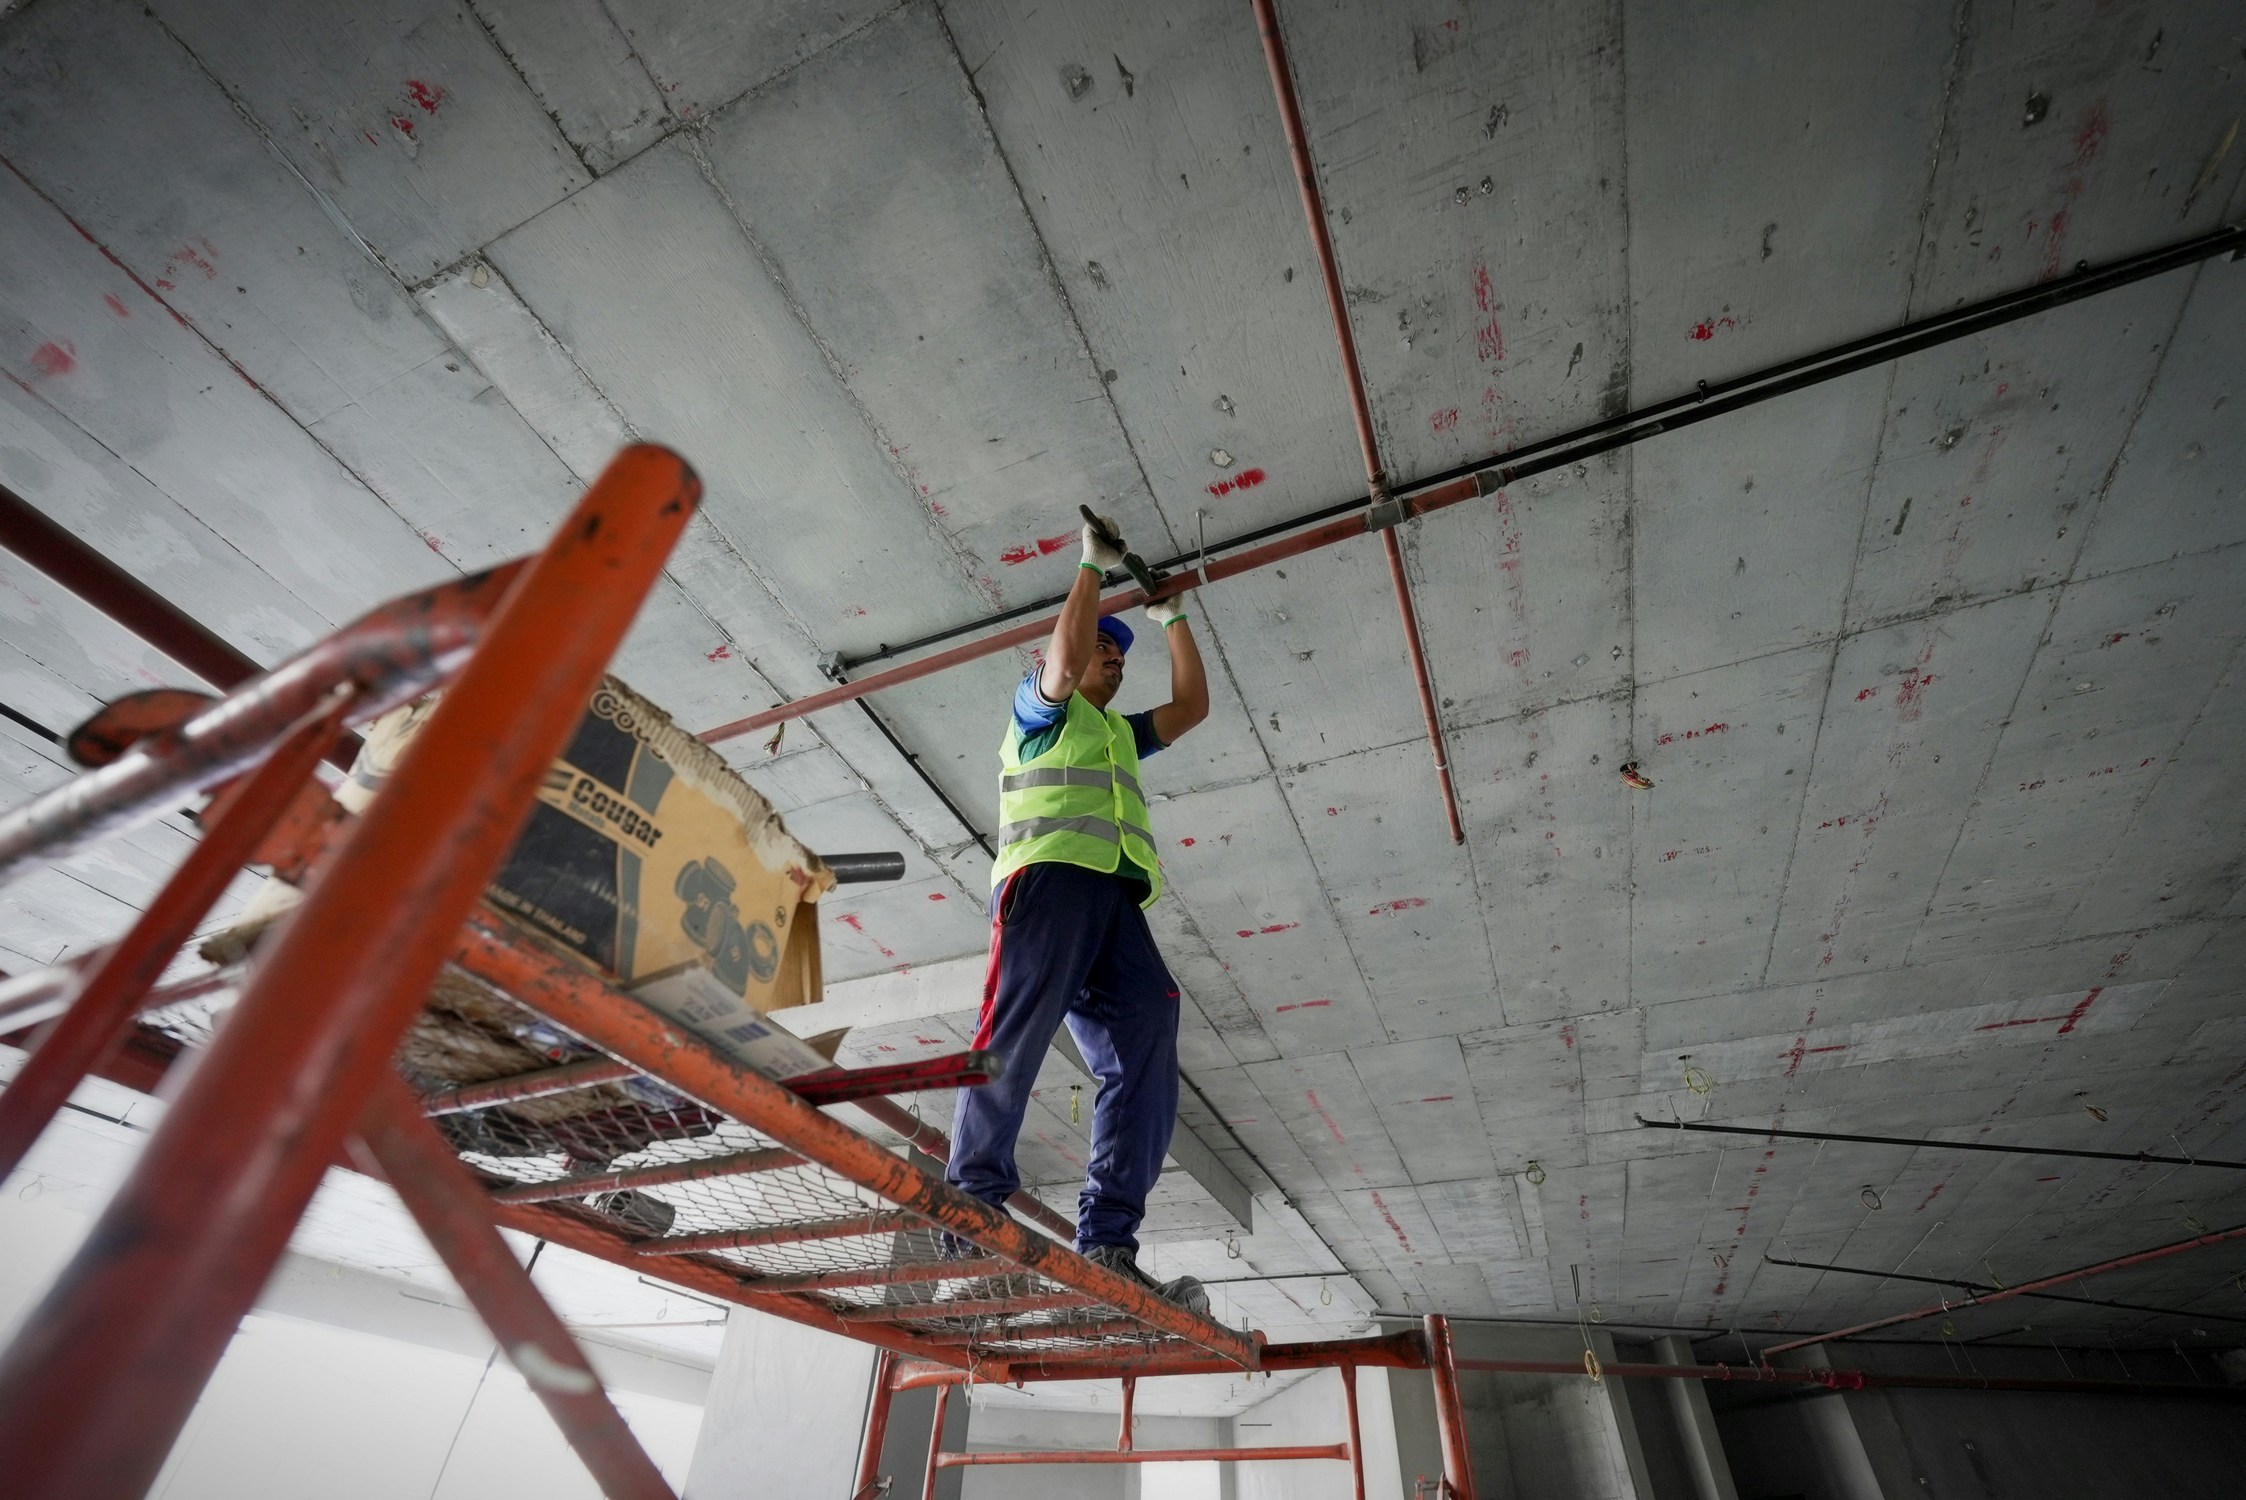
(1186, 1291)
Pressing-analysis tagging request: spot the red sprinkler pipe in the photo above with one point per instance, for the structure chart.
(103, 1374)
(1360, 404)
(1981, 1299)
(935, 1444)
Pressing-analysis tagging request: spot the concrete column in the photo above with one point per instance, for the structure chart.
(786, 1413)
(1696, 1424)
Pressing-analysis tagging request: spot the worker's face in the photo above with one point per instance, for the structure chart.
(1105, 680)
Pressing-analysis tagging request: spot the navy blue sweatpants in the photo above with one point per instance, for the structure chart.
(1068, 942)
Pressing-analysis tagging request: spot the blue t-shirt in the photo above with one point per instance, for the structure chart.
(1040, 722)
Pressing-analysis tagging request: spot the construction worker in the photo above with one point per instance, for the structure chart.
(1076, 871)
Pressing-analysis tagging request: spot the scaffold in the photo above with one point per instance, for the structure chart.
(620, 1136)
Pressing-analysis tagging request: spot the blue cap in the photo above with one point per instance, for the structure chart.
(1116, 631)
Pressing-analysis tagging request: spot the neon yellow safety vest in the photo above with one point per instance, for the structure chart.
(1079, 803)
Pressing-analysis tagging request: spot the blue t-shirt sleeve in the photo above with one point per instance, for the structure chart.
(1031, 711)
(1039, 722)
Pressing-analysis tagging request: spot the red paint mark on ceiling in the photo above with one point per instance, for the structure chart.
(430, 540)
(1044, 546)
(116, 304)
(401, 124)
(2066, 1022)
(1266, 931)
(2097, 123)
(1408, 903)
(1932, 1194)
(2047, 1179)
(1706, 329)
(187, 254)
(1246, 479)
(59, 357)
(1438, 1099)
(937, 896)
(167, 286)
(1301, 1005)
(1320, 1110)
(1694, 734)
(1445, 420)
(1567, 1037)
(724, 652)
(1489, 339)
(427, 95)
(368, 137)
(850, 920)
(1390, 1220)
(1188, 843)
(1868, 692)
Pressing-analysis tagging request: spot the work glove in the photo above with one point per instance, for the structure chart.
(1167, 612)
(1098, 554)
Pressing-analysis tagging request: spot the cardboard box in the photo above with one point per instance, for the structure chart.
(650, 860)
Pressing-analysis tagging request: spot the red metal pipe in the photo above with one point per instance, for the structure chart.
(889, 1113)
(109, 991)
(877, 1429)
(1353, 376)
(1348, 1375)
(883, 1222)
(1247, 560)
(62, 556)
(393, 654)
(96, 1386)
(935, 1445)
(544, 1083)
(398, 1144)
(1982, 1299)
(1391, 1351)
(1137, 1456)
(1423, 684)
(579, 1002)
(1450, 1411)
(1130, 1390)
(953, 1070)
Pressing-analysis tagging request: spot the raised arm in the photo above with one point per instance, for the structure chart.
(1069, 652)
(1189, 686)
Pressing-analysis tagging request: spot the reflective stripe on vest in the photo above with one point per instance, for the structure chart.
(1033, 828)
(1079, 803)
(1015, 781)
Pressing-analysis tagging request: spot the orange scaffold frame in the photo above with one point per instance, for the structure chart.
(103, 1373)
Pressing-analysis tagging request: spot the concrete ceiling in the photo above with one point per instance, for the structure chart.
(1936, 668)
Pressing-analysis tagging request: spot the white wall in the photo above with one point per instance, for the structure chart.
(1312, 1411)
(299, 1408)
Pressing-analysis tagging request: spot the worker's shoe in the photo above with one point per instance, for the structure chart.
(1186, 1291)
